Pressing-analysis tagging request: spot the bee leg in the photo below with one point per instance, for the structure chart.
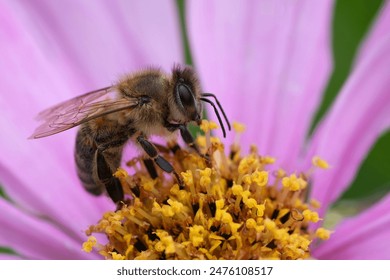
(112, 184)
(151, 151)
(161, 148)
(187, 137)
(150, 167)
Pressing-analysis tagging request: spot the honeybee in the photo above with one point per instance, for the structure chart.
(145, 103)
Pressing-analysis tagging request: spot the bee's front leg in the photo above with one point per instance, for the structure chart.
(152, 152)
(189, 140)
(187, 137)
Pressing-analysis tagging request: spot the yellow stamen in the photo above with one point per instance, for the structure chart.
(121, 173)
(116, 256)
(89, 244)
(207, 126)
(196, 235)
(239, 127)
(267, 160)
(320, 163)
(323, 234)
(293, 183)
(230, 207)
(310, 216)
(315, 203)
(260, 178)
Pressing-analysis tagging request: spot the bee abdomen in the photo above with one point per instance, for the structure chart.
(85, 157)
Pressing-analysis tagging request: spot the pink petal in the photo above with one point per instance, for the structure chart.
(360, 114)
(379, 32)
(103, 40)
(36, 239)
(268, 62)
(63, 202)
(9, 257)
(39, 175)
(363, 237)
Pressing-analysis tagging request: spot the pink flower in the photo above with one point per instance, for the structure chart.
(267, 61)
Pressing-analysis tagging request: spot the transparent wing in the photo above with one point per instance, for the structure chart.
(81, 109)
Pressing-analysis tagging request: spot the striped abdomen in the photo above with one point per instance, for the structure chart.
(85, 157)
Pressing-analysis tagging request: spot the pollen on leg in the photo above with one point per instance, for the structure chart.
(233, 207)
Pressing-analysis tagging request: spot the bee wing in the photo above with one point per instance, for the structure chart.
(79, 110)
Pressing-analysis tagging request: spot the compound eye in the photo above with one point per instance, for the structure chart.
(185, 95)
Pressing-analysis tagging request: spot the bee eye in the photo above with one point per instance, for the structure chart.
(186, 97)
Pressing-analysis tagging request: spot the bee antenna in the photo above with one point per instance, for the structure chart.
(219, 106)
(217, 113)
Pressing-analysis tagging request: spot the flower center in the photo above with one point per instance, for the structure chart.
(232, 207)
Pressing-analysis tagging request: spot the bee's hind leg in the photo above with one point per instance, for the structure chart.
(104, 173)
(152, 152)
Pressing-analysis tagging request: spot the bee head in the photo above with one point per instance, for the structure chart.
(186, 94)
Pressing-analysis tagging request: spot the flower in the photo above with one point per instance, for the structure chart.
(268, 62)
(226, 208)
